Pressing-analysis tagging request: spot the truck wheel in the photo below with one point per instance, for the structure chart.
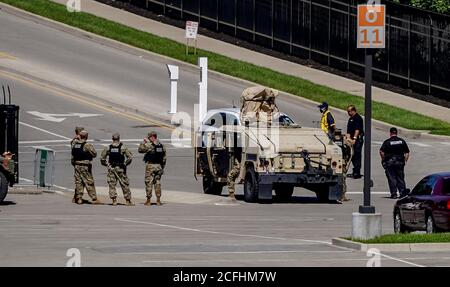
(211, 187)
(284, 192)
(3, 186)
(250, 186)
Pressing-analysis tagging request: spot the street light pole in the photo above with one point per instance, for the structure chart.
(366, 207)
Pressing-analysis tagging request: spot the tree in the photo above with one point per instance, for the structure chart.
(440, 6)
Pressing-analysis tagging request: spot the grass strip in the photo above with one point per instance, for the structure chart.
(407, 238)
(240, 69)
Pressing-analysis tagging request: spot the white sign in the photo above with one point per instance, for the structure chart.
(191, 30)
(371, 26)
(57, 118)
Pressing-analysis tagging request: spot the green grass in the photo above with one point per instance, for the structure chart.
(263, 76)
(407, 238)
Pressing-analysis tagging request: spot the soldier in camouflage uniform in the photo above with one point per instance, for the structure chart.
(83, 153)
(234, 172)
(155, 159)
(119, 157)
(72, 142)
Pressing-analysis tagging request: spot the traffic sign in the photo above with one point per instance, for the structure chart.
(191, 30)
(371, 26)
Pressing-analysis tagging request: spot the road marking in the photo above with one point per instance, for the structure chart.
(372, 192)
(445, 143)
(45, 131)
(25, 179)
(234, 252)
(420, 144)
(221, 233)
(57, 118)
(398, 259)
(89, 102)
(218, 260)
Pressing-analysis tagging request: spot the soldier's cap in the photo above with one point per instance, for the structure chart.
(323, 105)
(393, 130)
(152, 134)
(116, 136)
(84, 133)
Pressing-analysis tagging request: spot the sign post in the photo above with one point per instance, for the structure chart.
(191, 33)
(370, 35)
(174, 76)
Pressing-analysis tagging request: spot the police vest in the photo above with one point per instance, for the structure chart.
(324, 123)
(79, 153)
(156, 155)
(116, 158)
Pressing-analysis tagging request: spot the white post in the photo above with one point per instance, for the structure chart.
(174, 75)
(203, 88)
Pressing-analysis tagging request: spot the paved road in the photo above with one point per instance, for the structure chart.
(55, 72)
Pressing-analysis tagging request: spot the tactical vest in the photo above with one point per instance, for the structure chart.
(155, 156)
(116, 158)
(79, 154)
(324, 123)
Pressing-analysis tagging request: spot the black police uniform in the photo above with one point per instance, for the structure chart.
(394, 150)
(356, 123)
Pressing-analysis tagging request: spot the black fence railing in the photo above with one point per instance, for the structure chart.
(417, 54)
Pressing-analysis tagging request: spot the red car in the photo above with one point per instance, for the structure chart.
(426, 207)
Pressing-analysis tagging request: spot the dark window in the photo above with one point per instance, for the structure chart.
(284, 120)
(425, 186)
(446, 186)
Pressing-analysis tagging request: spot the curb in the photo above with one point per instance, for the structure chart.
(126, 47)
(25, 190)
(392, 247)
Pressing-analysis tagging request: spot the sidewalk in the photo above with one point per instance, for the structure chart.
(236, 52)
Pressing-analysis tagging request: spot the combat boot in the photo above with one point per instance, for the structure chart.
(96, 201)
(148, 202)
(158, 201)
(79, 201)
(129, 202)
(114, 202)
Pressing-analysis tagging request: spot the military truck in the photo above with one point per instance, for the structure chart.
(9, 144)
(272, 157)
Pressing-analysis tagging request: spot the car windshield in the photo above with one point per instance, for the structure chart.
(446, 186)
(284, 120)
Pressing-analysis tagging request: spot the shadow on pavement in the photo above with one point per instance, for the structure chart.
(6, 202)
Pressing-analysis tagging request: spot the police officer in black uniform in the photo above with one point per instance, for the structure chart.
(355, 129)
(394, 154)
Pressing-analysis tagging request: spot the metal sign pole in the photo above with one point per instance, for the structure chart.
(366, 207)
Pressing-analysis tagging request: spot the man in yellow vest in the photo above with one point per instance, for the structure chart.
(327, 123)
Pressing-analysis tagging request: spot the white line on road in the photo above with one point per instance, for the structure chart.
(372, 192)
(25, 179)
(234, 252)
(219, 232)
(218, 260)
(45, 131)
(399, 260)
(420, 144)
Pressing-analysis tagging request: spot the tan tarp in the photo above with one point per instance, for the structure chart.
(258, 104)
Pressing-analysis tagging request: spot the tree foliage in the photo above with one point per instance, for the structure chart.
(440, 6)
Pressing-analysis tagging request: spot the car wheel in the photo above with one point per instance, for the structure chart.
(284, 192)
(3, 186)
(430, 226)
(399, 227)
(211, 187)
(250, 186)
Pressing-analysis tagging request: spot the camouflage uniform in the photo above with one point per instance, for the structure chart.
(117, 173)
(153, 170)
(232, 175)
(83, 169)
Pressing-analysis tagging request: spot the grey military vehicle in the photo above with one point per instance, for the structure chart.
(272, 157)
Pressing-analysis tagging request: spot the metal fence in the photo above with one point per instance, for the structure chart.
(417, 54)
